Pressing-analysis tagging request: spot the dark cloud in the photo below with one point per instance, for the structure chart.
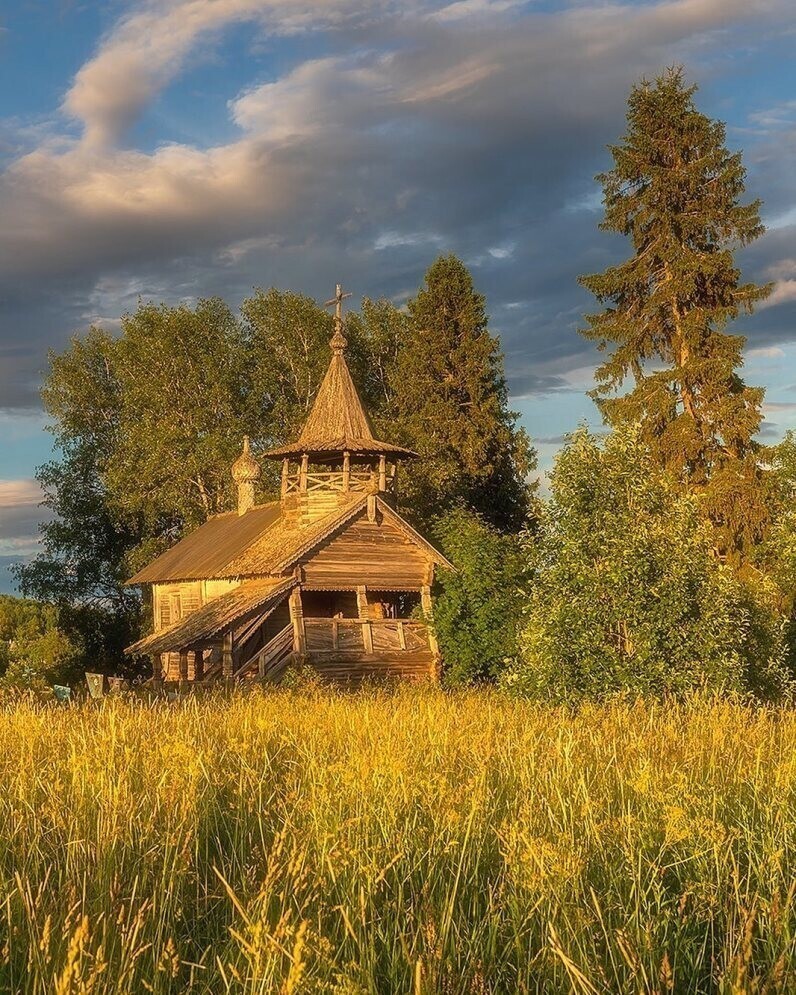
(413, 134)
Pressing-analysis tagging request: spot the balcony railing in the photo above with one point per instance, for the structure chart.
(364, 482)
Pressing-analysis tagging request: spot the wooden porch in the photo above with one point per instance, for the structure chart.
(348, 649)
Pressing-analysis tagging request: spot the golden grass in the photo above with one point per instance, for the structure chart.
(412, 842)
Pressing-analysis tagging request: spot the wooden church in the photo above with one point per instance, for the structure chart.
(331, 575)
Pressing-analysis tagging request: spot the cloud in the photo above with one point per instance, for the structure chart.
(765, 352)
(20, 514)
(404, 129)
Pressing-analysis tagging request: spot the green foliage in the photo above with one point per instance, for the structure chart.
(34, 651)
(83, 563)
(674, 190)
(182, 413)
(287, 344)
(628, 594)
(450, 404)
(148, 424)
(477, 607)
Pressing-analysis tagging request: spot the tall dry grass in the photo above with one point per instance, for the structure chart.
(410, 842)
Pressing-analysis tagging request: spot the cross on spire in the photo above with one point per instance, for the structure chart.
(338, 342)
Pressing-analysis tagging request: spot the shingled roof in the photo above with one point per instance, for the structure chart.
(271, 544)
(337, 421)
(209, 548)
(216, 615)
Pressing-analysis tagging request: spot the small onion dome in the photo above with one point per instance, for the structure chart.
(246, 469)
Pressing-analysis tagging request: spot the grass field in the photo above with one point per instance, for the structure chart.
(409, 842)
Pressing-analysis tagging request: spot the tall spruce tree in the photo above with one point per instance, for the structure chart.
(675, 191)
(450, 404)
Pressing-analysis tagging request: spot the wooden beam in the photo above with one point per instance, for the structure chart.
(183, 665)
(285, 472)
(382, 472)
(226, 656)
(367, 635)
(305, 461)
(346, 471)
(297, 619)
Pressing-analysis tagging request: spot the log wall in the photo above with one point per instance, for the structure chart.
(371, 554)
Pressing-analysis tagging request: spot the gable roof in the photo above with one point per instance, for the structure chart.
(271, 544)
(216, 615)
(281, 547)
(276, 550)
(208, 549)
(337, 421)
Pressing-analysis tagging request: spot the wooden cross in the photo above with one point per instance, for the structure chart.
(337, 300)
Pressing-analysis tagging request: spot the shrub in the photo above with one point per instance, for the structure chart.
(629, 594)
(478, 606)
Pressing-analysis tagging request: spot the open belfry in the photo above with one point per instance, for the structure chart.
(330, 575)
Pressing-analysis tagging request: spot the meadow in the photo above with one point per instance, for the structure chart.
(410, 842)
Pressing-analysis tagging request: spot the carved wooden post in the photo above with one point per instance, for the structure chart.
(226, 656)
(382, 473)
(346, 471)
(362, 602)
(285, 471)
(303, 475)
(297, 618)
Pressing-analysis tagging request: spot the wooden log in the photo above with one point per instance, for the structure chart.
(285, 472)
(382, 472)
(305, 460)
(346, 471)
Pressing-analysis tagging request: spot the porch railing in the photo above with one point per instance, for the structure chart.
(364, 635)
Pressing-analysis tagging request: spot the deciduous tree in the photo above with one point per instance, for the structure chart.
(627, 594)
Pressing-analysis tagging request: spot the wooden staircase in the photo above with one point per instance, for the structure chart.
(268, 663)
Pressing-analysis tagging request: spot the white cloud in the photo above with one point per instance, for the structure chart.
(14, 493)
(765, 352)
(783, 273)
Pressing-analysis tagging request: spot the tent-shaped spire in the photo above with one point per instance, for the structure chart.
(338, 422)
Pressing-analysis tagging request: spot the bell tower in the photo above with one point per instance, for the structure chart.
(336, 456)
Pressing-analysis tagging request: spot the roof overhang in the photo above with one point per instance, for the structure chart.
(220, 614)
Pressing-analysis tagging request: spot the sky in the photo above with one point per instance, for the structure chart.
(172, 149)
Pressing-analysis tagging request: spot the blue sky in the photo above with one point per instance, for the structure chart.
(170, 149)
